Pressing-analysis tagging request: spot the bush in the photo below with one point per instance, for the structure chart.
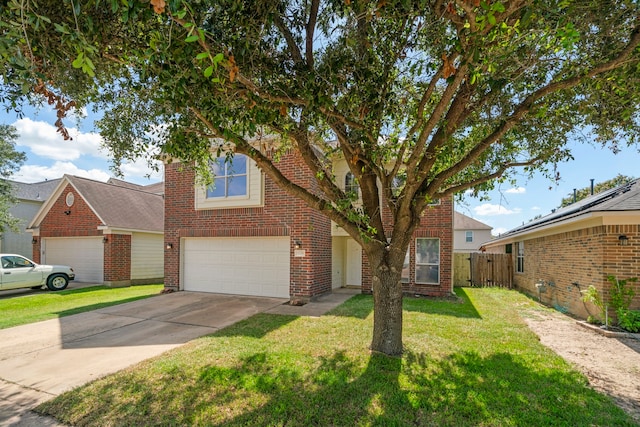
(591, 295)
(621, 295)
(629, 320)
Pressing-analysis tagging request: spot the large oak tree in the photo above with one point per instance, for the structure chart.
(424, 99)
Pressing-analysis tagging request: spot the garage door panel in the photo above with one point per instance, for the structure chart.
(245, 266)
(84, 255)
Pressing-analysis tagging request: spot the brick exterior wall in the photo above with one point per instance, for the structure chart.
(83, 222)
(284, 215)
(436, 222)
(281, 215)
(117, 260)
(584, 257)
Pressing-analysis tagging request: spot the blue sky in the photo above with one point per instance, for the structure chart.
(50, 157)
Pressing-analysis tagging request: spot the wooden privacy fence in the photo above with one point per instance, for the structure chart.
(482, 270)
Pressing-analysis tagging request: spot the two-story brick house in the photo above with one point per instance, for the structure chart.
(245, 235)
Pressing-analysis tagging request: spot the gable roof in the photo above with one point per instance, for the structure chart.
(116, 206)
(463, 222)
(625, 198)
(35, 191)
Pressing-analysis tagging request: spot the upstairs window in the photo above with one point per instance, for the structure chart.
(231, 178)
(468, 236)
(351, 184)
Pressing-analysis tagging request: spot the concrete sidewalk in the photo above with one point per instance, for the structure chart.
(41, 360)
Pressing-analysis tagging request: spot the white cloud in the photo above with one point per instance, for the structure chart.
(536, 208)
(516, 190)
(137, 172)
(43, 140)
(488, 209)
(33, 173)
(498, 231)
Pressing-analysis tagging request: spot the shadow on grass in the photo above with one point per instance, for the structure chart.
(358, 306)
(463, 389)
(361, 306)
(456, 306)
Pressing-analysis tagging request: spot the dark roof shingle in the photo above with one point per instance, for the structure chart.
(121, 206)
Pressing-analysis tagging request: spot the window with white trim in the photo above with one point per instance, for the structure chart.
(428, 261)
(351, 184)
(468, 236)
(520, 257)
(406, 272)
(230, 177)
(238, 184)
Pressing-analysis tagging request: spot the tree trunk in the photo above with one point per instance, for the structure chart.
(387, 304)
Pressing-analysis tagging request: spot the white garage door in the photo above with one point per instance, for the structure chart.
(84, 254)
(231, 265)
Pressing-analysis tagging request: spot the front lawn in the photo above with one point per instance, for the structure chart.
(49, 305)
(467, 363)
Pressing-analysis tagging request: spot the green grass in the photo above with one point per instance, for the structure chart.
(467, 363)
(49, 305)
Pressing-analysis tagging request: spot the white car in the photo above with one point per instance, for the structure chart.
(17, 271)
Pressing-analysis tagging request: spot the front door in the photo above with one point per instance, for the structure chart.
(354, 263)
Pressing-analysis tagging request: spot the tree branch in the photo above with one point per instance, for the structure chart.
(311, 26)
(529, 102)
(293, 47)
(242, 146)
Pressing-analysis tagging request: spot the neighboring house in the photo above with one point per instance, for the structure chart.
(110, 233)
(30, 197)
(245, 235)
(469, 234)
(577, 246)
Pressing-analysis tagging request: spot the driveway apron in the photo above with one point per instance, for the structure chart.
(41, 360)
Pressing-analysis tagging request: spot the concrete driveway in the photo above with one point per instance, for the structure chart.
(41, 360)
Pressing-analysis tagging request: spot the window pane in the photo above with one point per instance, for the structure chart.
(238, 165)
(428, 251)
(428, 274)
(237, 186)
(217, 166)
(217, 188)
(469, 236)
(405, 269)
(230, 177)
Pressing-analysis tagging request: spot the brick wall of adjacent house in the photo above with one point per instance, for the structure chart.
(281, 215)
(117, 260)
(567, 263)
(83, 222)
(436, 222)
(80, 222)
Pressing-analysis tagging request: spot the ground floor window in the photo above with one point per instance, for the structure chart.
(428, 261)
(520, 257)
(406, 274)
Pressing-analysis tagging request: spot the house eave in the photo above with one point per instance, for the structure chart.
(587, 220)
(122, 230)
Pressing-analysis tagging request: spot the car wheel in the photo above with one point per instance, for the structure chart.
(57, 282)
